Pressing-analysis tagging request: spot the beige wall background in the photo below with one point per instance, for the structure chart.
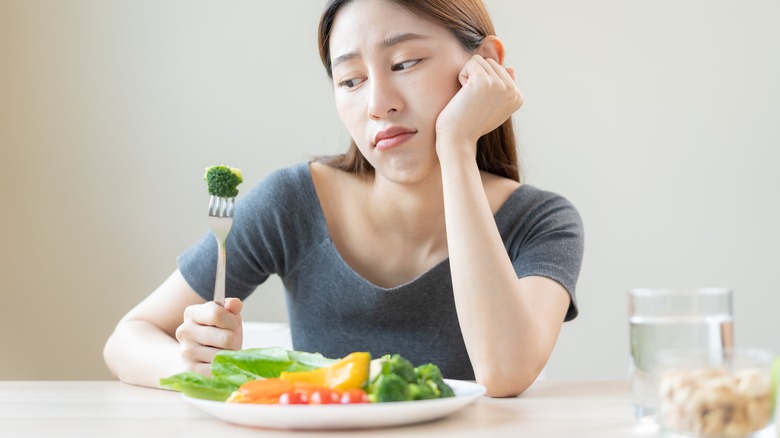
(659, 120)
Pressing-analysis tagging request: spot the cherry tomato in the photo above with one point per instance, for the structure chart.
(294, 398)
(324, 396)
(351, 396)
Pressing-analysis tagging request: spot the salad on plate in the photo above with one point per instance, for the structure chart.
(278, 376)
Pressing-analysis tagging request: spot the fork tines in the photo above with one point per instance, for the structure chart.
(221, 207)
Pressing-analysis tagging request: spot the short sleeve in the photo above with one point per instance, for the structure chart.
(544, 236)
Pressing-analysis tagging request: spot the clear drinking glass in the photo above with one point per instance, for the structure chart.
(704, 394)
(694, 318)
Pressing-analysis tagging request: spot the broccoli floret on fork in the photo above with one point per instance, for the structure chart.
(222, 181)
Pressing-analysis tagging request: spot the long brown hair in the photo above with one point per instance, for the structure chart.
(470, 22)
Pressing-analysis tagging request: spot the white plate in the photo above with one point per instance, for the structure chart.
(364, 415)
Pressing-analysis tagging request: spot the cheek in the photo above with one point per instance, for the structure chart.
(436, 92)
(349, 111)
(441, 84)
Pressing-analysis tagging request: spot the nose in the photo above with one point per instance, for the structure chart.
(385, 98)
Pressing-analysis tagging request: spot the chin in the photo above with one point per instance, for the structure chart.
(410, 171)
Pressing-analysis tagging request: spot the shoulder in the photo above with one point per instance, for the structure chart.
(528, 199)
(510, 200)
(283, 213)
(336, 188)
(280, 196)
(531, 213)
(282, 186)
(324, 174)
(295, 175)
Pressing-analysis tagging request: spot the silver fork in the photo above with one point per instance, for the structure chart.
(220, 221)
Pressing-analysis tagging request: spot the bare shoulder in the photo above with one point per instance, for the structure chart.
(321, 170)
(328, 179)
(498, 189)
(337, 191)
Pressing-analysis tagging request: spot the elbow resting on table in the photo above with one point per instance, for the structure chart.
(500, 384)
(115, 358)
(504, 389)
(110, 353)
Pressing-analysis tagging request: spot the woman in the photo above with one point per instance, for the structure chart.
(420, 240)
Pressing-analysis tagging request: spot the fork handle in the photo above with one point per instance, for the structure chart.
(219, 284)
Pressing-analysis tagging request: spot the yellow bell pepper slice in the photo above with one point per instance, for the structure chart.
(350, 372)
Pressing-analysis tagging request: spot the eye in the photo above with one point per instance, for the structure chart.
(351, 83)
(404, 65)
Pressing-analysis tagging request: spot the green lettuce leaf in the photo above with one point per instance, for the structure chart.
(311, 360)
(261, 363)
(197, 386)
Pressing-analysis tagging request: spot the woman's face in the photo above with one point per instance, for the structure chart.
(393, 73)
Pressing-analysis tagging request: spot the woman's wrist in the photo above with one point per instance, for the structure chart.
(456, 152)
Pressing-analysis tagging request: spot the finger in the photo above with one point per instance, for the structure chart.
(223, 339)
(199, 355)
(203, 369)
(520, 99)
(212, 314)
(234, 305)
(482, 62)
(500, 70)
(511, 72)
(191, 334)
(507, 74)
(473, 67)
(463, 75)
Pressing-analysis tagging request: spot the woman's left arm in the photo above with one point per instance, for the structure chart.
(496, 310)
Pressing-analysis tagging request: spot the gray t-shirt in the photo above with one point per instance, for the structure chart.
(279, 228)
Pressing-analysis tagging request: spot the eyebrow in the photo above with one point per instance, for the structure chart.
(386, 43)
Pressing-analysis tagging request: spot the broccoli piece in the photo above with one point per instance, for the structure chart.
(394, 378)
(423, 390)
(389, 388)
(399, 366)
(431, 374)
(223, 180)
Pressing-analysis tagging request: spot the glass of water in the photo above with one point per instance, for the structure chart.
(659, 319)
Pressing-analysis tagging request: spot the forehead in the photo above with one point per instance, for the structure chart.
(361, 24)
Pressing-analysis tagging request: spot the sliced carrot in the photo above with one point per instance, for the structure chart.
(237, 397)
(265, 387)
(264, 390)
(268, 391)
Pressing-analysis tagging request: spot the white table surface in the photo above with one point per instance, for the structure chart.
(87, 409)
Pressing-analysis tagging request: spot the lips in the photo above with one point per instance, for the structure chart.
(392, 137)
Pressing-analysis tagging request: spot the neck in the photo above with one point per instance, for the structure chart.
(409, 212)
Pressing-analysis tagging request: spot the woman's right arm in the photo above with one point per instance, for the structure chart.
(171, 331)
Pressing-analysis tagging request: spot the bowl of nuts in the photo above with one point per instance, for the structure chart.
(721, 393)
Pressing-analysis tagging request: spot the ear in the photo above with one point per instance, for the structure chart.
(492, 47)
